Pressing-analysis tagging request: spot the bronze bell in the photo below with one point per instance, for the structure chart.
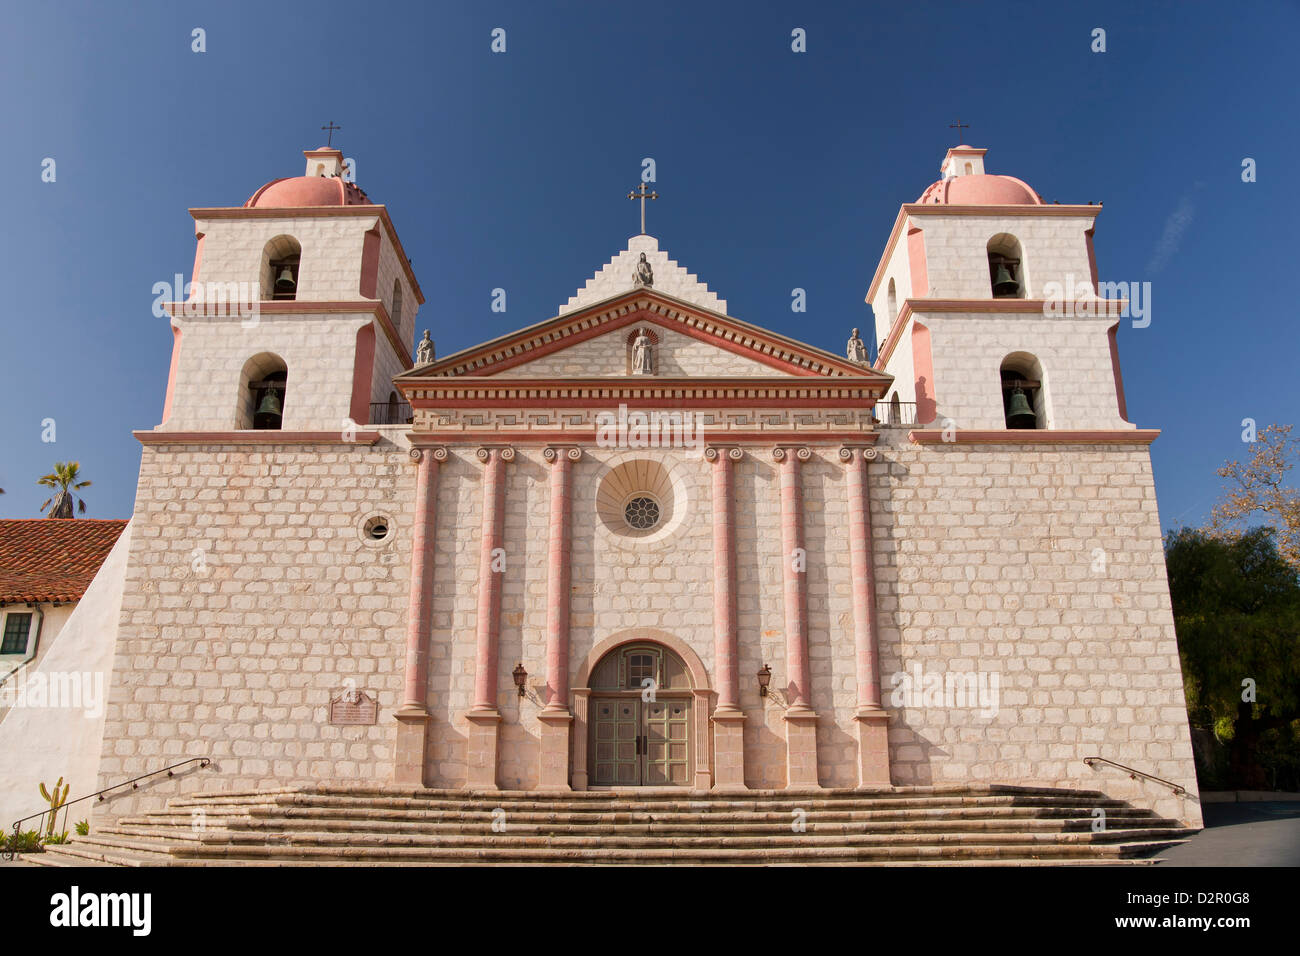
(1019, 412)
(1004, 286)
(269, 411)
(285, 283)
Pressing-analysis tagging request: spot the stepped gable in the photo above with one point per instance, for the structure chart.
(619, 275)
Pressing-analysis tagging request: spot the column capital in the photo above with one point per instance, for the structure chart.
(801, 452)
(435, 452)
(503, 453)
(716, 453)
(864, 452)
(554, 453)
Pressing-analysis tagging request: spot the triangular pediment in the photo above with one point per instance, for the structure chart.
(689, 342)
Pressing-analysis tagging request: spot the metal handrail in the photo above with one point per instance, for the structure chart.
(9, 853)
(1134, 774)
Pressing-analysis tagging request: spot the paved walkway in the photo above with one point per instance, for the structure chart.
(1242, 834)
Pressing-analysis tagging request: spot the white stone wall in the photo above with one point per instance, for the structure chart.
(250, 600)
(956, 252)
(319, 351)
(1078, 378)
(675, 355)
(986, 560)
(900, 270)
(1043, 565)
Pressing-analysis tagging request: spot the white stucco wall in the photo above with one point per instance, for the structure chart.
(41, 744)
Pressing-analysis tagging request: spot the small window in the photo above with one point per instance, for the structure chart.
(642, 512)
(17, 628)
(397, 304)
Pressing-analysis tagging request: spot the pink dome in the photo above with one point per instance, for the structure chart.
(307, 191)
(981, 190)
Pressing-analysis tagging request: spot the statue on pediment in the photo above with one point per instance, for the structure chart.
(424, 351)
(857, 349)
(644, 274)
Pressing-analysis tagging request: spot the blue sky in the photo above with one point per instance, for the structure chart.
(775, 170)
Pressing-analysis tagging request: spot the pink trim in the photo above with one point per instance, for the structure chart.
(725, 645)
(370, 245)
(419, 613)
(375, 308)
(1012, 209)
(312, 212)
(558, 585)
(927, 399)
(695, 666)
(1113, 336)
(644, 318)
(252, 437)
(1045, 436)
(171, 374)
(799, 692)
(865, 638)
(758, 344)
(596, 398)
(363, 370)
(1100, 309)
(916, 262)
(813, 439)
(488, 622)
(878, 276)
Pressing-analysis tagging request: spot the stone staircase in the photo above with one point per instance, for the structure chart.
(381, 826)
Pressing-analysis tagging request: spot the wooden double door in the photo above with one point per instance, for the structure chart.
(637, 742)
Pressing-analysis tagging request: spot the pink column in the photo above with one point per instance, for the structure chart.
(555, 717)
(483, 716)
(872, 719)
(413, 715)
(801, 720)
(728, 718)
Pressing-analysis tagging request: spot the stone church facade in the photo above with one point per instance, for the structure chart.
(645, 543)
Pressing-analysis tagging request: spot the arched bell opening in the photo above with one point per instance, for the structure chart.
(1024, 403)
(263, 387)
(281, 258)
(1006, 267)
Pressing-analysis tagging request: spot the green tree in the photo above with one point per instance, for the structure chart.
(64, 479)
(1236, 604)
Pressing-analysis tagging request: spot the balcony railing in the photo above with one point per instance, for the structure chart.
(895, 414)
(390, 413)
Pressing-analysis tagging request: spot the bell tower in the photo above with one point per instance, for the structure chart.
(986, 308)
(300, 312)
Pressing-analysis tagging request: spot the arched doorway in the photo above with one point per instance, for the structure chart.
(640, 718)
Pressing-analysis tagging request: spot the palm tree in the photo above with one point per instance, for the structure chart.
(64, 478)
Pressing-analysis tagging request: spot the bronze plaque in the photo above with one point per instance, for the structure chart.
(354, 707)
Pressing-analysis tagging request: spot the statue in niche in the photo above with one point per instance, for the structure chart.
(424, 351)
(857, 349)
(642, 354)
(644, 274)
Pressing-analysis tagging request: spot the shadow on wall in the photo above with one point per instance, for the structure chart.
(910, 754)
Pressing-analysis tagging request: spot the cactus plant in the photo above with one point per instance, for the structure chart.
(56, 800)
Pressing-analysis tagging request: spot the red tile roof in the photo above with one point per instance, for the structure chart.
(52, 559)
